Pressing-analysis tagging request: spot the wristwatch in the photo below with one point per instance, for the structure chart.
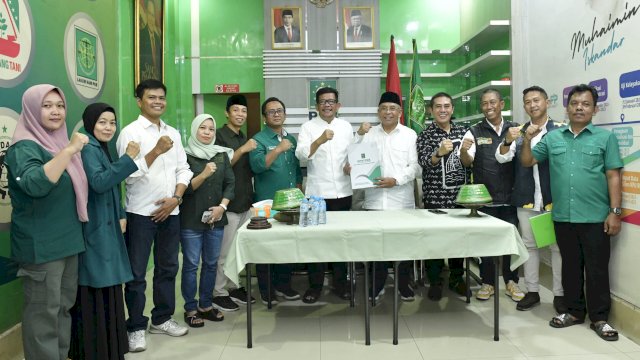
(616, 210)
(179, 198)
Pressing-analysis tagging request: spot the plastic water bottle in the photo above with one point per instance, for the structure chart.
(322, 216)
(313, 212)
(304, 213)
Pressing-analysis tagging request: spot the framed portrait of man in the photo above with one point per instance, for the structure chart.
(286, 28)
(149, 40)
(358, 27)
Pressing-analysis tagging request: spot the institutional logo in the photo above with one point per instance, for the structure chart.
(16, 41)
(84, 57)
(8, 121)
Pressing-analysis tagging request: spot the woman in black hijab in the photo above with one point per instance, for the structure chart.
(98, 328)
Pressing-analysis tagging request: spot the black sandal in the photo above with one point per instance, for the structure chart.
(564, 320)
(193, 320)
(311, 296)
(605, 331)
(212, 314)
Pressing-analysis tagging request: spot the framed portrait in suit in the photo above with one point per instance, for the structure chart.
(287, 31)
(358, 27)
(149, 40)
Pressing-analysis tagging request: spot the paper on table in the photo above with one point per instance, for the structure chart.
(365, 165)
(543, 229)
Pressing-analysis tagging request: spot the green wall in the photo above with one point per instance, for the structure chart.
(232, 53)
(475, 14)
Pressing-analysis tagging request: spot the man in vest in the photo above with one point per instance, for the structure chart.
(532, 196)
(478, 151)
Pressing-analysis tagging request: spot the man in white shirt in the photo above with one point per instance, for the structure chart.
(396, 144)
(532, 196)
(154, 193)
(323, 143)
(478, 152)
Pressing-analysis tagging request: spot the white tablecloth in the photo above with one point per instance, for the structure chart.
(354, 236)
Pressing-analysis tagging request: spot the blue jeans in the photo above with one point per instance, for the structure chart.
(141, 234)
(194, 244)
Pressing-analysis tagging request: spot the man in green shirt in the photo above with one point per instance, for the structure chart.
(585, 164)
(275, 167)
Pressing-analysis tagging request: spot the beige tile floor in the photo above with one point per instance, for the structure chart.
(448, 329)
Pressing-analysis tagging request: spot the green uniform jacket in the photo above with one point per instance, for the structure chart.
(105, 263)
(44, 220)
(284, 172)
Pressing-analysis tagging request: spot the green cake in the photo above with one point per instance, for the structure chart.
(287, 199)
(473, 194)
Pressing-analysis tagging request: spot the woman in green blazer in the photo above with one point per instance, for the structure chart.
(98, 327)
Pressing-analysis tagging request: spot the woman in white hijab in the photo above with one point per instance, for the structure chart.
(202, 218)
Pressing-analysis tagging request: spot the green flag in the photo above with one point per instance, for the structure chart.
(416, 95)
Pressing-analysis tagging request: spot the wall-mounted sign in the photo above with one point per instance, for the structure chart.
(84, 57)
(227, 88)
(16, 41)
(8, 121)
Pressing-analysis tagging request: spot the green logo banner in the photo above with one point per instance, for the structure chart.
(86, 54)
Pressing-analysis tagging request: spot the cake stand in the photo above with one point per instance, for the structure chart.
(474, 208)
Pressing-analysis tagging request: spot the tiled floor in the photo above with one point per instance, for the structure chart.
(449, 329)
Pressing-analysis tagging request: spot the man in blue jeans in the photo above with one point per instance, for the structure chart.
(153, 195)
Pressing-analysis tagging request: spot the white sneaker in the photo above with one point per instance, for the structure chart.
(485, 292)
(137, 342)
(514, 291)
(169, 327)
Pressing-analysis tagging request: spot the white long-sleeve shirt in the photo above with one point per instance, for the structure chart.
(150, 184)
(325, 174)
(504, 158)
(399, 160)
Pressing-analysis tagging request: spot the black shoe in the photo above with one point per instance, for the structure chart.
(529, 300)
(406, 293)
(459, 287)
(288, 294)
(559, 305)
(435, 292)
(239, 296)
(263, 298)
(224, 303)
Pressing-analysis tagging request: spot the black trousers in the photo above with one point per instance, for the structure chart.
(381, 273)
(316, 270)
(585, 250)
(280, 277)
(487, 267)
(435, 266)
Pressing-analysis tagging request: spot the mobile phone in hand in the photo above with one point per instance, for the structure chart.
(206, 216)
(437, 211)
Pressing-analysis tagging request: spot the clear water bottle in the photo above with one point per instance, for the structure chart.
(313, 211)
(322, 216)
(304, 213)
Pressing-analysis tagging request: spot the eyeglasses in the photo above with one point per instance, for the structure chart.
(328, 102)
(274, 112)
(389, 108)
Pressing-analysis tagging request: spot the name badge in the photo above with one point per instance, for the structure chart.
(484, 141)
